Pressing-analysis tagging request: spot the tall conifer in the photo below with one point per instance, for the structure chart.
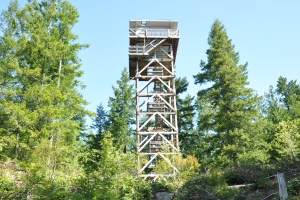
(185, 115)
(41, 109)
(122, 112)
(234, 105)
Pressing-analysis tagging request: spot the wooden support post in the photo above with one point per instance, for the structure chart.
(156, 117)
(282, 186)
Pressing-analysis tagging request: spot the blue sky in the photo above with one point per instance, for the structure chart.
(265, 32)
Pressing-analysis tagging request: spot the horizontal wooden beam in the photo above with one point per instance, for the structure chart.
(150, 113)
(151, 133)
(161, 94)
(161, 77)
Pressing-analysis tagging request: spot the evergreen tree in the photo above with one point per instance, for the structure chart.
(271, 107)
(99, 124)
(93, 142)
(100, 121)
(234, 105)
(287, 140)
(41, 111)
(289, 97)
(273, 113)
(185, 115)
(282, 111)
(114, 176)
(122, 112)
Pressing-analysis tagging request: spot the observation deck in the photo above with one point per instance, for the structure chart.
(146, 36)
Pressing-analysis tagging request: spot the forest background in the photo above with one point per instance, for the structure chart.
(263, 31)
(48, 151)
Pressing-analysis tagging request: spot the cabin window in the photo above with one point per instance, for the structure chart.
(143, 23)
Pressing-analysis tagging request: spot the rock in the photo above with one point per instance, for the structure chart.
(164, 195)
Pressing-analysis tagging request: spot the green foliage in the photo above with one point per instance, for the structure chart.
(244, 174)
(187, 168)
(273, 113)
(145, 190)
(41, 69)
(272, 108)
(41, 109)
(7, 188)
(121, 113)
(185, 114)
(213, 186)
(208, 187)
(289, 96)
(187, 165)
(115, 177)
(287, 140)
(227, 107)
(281, 108)
(100, 121)
(93, 140)
(293, 187)
(10, 180)
(42, 116)
(234, 104)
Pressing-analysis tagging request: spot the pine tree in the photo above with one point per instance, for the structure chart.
(273, 113)
(114, 176)
(41, 111)
(93, 140)
(122, 112)
(185, 115)
(289, 96)
(231, 107)
(287, 140)
(100, 121)
(99, 124)
(282, 111)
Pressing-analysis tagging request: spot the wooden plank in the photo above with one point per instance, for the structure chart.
(282, 186)
(239, 186)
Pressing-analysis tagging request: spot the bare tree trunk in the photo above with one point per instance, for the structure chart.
(291, 144)
(17, 144)
(59, 71)
(43, 78)
(53, 170)
(50, 148)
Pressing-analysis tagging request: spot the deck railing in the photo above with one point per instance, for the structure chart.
(164, 33)
(136, 49)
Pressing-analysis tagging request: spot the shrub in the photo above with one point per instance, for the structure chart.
(293, 187)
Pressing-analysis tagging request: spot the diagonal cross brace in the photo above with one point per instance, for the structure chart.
(156, 95)
(147, 142)
(168, 161)
(176, 149)
(146, 84)
(153, 157)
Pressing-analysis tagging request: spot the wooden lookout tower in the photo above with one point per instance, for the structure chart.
(152, 53)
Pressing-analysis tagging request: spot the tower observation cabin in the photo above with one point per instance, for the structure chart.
(152, 53)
